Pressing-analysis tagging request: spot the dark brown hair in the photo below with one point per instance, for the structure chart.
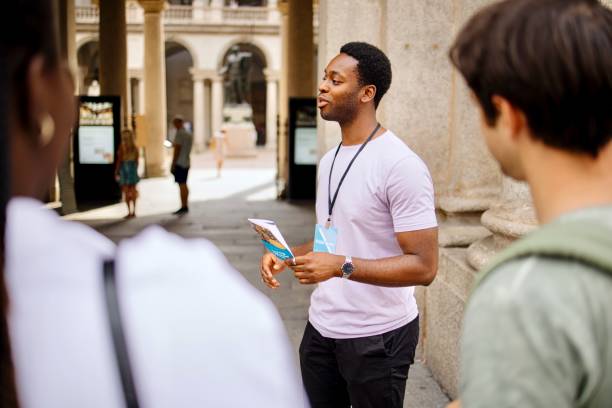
(27, 28)
(552, 59)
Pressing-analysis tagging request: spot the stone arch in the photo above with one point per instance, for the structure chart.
(88, 62)
(185, 44)
(256, 97)
(179, 61)
(267, 57)
(85, 40)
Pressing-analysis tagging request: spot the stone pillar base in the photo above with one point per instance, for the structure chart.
(156, 170)
(442, 308)
(460, 229)
(508, 223)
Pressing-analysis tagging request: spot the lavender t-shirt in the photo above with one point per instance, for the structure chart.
(387, 190)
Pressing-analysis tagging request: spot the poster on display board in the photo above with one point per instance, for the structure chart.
(96, 132)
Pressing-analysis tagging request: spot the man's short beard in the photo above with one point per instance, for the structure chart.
(345, 113)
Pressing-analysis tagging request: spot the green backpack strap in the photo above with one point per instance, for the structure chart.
(579, 240)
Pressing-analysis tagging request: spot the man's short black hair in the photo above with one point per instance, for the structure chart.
(373, 67)
(552, 59)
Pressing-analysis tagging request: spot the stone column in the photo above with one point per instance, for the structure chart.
(207, 111)
(141, 96)
(216, 11)
(273, 12)
(510, 218)
(198, 110)
(198, 10)
(113, 53)
(271, 107)
(300, 68)
(217, 103)
(67, 36)
(155, 86)
(137, 91)
(283, 101)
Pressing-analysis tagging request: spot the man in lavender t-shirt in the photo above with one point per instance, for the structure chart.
(378, 196)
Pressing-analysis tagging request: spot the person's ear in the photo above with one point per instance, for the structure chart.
(511, 119)
(368, 93)
(40, 124)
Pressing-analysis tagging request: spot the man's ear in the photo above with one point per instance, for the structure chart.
(510, 117)
(368, 93)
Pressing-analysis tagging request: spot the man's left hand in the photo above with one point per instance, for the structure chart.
(315, 267)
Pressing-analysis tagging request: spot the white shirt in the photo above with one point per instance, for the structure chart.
(387, 190)
(198, 333)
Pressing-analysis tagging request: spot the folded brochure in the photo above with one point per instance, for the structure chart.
(272, 238)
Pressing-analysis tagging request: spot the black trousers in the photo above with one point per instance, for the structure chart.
(364, 372)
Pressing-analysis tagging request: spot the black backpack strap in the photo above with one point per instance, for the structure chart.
(121, 353)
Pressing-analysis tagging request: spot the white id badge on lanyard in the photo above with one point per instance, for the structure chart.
(325, 239)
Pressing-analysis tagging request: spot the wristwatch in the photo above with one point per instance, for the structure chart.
(347, 267)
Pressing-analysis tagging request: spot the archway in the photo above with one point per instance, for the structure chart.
(179, 83)
(256, 80)
(88, 60)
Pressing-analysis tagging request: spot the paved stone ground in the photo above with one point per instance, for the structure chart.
(219, 208)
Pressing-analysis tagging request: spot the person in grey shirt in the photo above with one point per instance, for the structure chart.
(537, 331)
(181, 161)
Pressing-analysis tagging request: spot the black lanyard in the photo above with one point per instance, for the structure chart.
(330, 202)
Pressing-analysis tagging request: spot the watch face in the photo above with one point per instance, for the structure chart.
(347, 268)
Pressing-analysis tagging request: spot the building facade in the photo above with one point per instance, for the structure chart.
(196, 37)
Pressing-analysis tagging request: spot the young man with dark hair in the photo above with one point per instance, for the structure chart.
(376, 238)
(538, 326)
(181, 161)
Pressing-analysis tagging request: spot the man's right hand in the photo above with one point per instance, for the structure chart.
(270, 266)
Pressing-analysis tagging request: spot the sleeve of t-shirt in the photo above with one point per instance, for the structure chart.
(517, 349)
(179, 139)
(410, 194)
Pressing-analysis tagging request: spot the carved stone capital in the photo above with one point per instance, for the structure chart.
(152, 6)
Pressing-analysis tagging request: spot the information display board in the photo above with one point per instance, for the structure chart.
(96, 141)
(303, 157)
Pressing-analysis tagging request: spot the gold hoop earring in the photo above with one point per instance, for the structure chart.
(47, 130)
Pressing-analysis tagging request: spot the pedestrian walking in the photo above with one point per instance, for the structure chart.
(219, 148)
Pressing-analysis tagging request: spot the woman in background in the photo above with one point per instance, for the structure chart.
(220, 144)
(126, 171)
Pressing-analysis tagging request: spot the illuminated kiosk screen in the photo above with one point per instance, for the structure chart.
(305, 152)
(96, 133)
